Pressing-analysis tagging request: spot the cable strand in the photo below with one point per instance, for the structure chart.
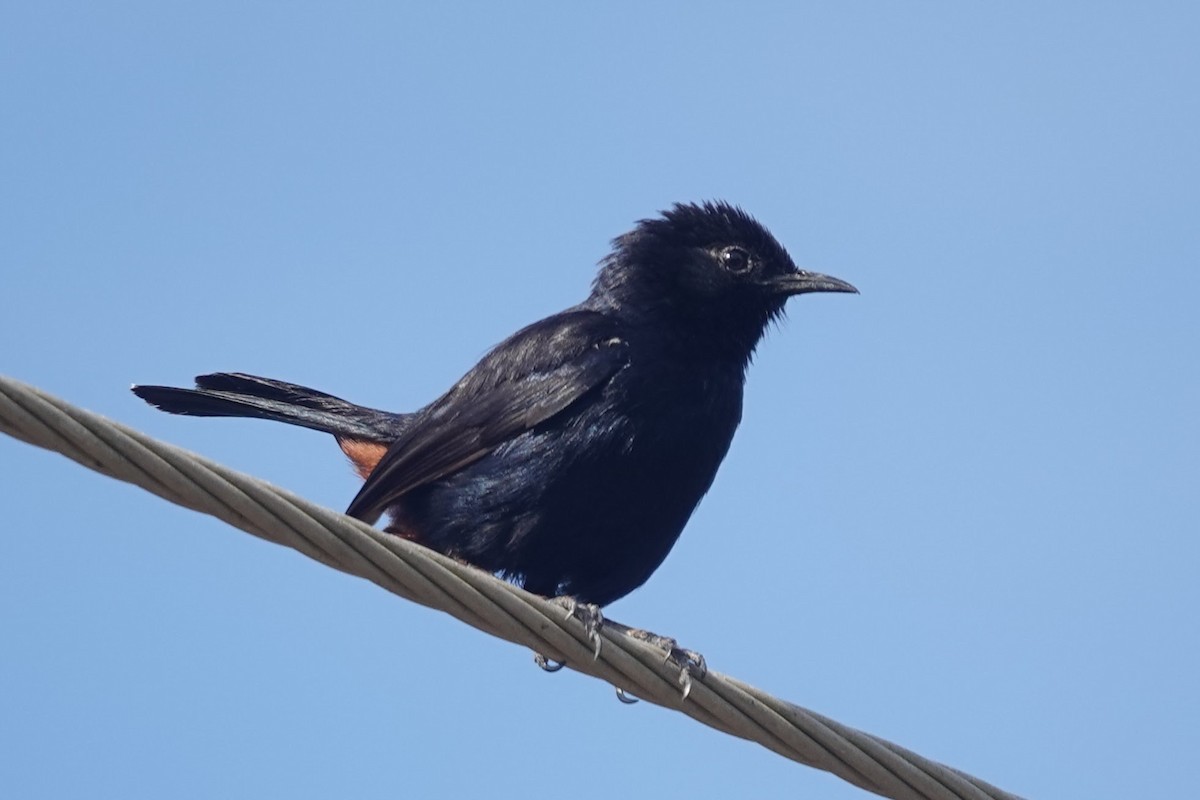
(477, 598)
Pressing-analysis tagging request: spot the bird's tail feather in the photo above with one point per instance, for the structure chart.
(234, 394)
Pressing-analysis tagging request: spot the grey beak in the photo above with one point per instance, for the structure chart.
(801, 282)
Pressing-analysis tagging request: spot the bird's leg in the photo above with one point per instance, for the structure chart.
(691, 664)
(587, 613)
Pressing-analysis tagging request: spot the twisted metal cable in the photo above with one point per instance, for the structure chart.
(477, 598)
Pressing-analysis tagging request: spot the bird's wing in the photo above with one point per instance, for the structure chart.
(534, 375)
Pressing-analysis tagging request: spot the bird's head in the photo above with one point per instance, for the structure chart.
(707, 270)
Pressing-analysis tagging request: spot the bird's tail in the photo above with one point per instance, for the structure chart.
(363, 433)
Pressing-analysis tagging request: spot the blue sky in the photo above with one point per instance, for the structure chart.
(962, 508)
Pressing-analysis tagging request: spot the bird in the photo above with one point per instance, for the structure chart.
(571, 456)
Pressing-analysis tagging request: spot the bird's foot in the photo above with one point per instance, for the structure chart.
(587, 613)
(691, 664)
(548, 664)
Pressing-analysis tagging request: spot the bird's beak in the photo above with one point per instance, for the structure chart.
(801, 282)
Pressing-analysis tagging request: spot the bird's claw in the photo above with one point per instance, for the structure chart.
(547, 664)
(691, 664)
(587, 613)
(625, 697)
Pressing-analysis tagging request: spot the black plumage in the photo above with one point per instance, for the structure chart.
(572, 455)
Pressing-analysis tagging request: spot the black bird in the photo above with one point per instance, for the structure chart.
(571, 456)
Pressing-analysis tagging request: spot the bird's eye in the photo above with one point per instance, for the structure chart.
(735, 260)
